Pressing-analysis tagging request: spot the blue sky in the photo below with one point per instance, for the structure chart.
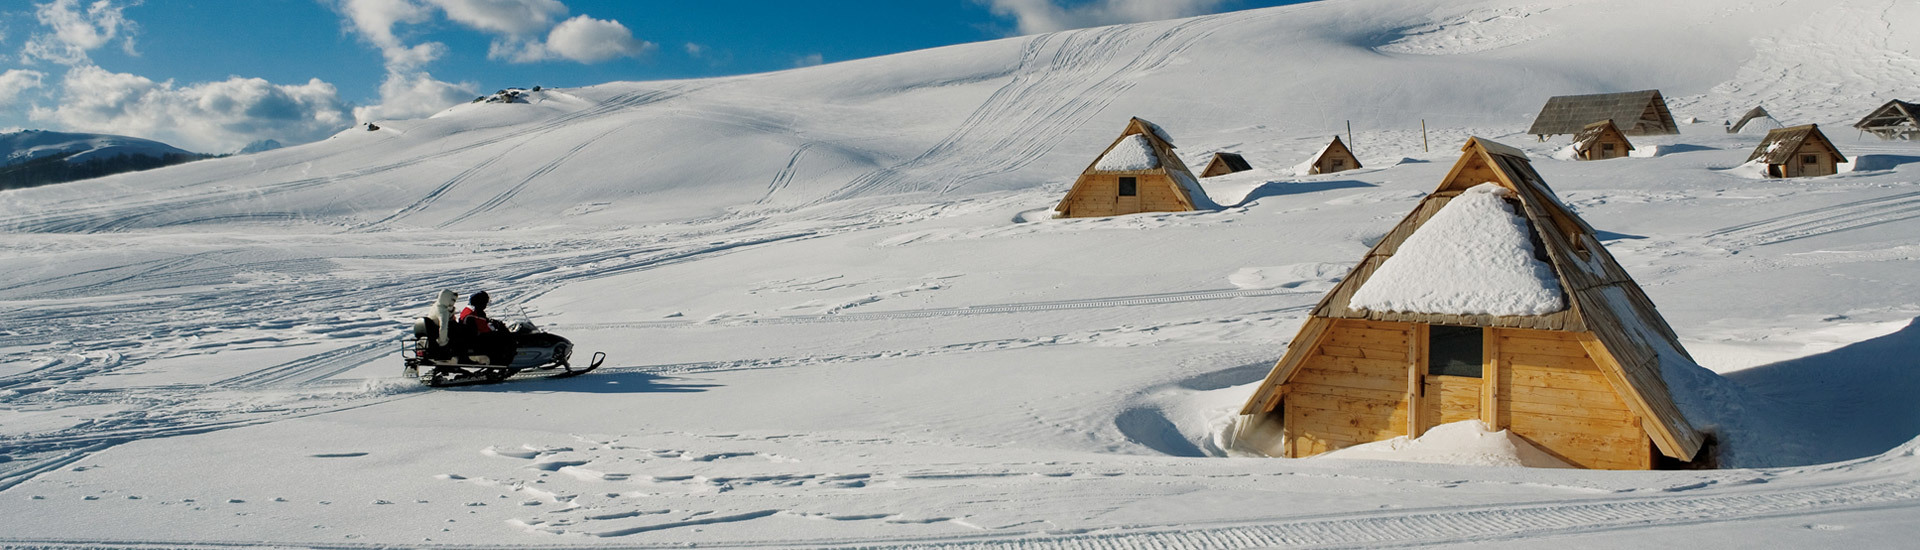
(211, 75)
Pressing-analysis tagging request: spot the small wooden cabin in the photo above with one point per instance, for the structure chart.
(1642, 113)
(1580, 379)
(1335, 157)
(1758, 118)
(1895, 120)
(1600, 140)
(1224, 163)
(1797, 152)
(1139, 172)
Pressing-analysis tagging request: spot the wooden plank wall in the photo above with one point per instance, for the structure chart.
(1351, 389)
(1554, 395)
(1099, 195)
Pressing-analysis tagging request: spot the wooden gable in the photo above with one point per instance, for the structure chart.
(1224, 163)
(1169, 187)
(1607, 313)
(1592, 141)
(1335, 157)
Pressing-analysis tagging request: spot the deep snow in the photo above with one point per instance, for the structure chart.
(837, 314)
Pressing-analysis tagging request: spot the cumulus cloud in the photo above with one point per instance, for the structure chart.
(509, 17)
(210, 116)
(414, 95)
(75, 29)
(409, 91)
(1040, 16)
(808, 60)
(374, 21)
(588, 40)
(14, 83)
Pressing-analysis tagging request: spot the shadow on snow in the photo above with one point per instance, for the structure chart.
(1859, 397)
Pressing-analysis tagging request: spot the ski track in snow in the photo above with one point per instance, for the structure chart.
(1848, 216)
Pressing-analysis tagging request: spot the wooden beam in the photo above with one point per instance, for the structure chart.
(1655, 428)
(1416, 377)
(1490, 376)
(1302, 346)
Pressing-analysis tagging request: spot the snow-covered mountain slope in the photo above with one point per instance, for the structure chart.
(1026, 111)
(837, 315)
(27, 145)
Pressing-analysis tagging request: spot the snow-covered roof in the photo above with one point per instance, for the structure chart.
(1474, 257)
(1131, 153)
(1781, 144)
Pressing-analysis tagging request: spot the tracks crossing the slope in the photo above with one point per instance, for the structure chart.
(1064, 80)
(1825, 220)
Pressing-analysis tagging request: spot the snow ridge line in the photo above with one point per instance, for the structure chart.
(1820, 221)
(89, 218)
(1369, 530)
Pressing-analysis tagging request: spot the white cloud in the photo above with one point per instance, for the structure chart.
(414, 95)
(408, 91)
(582, 39)
(1040, 16)
(509, 17)
(210, 116)
(374, 20)
(16, 82)
(76, 30)
(808, 60)
(696, 50)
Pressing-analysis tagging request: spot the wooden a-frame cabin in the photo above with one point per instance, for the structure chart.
(1600, 141)
(1138, 172)
(1895, 120)
(1582, 382)
(1798, 152)
(1642, 113)
(1335, 157)
(1224, 163)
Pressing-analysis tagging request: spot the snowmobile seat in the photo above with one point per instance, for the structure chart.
(426, 329)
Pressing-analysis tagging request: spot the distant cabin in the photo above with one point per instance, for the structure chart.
(1756, 120)
(1642, 113)
(1139, 172)
(1895, 120)
(1335, 157)
(1525, 323)
(1224, 163)
(1599, 141)
(1797, 152)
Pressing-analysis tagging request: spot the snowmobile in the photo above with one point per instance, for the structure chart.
(454, 364)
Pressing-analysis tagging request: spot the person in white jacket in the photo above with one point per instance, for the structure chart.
(442, 315)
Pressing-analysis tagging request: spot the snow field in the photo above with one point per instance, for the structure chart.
(835, 318)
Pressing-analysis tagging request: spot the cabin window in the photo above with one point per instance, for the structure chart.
(1453, 351)
(1809, 159)
(1129, 186)
(1339, 163)
(1606, 147)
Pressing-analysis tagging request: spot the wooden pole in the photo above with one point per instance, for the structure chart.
(1349, 134)
(1423, 137)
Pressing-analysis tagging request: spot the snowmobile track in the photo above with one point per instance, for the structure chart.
(1821, 221)
(1399, 528)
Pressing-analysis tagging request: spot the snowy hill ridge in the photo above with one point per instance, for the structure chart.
(26, 145)
(1028, 111)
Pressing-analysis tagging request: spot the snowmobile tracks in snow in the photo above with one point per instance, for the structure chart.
(1016, 307)
(1406, 527)
(313, 368)
(1821, 221)
(1064, 80)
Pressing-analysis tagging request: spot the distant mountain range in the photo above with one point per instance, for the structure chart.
(31, 158)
